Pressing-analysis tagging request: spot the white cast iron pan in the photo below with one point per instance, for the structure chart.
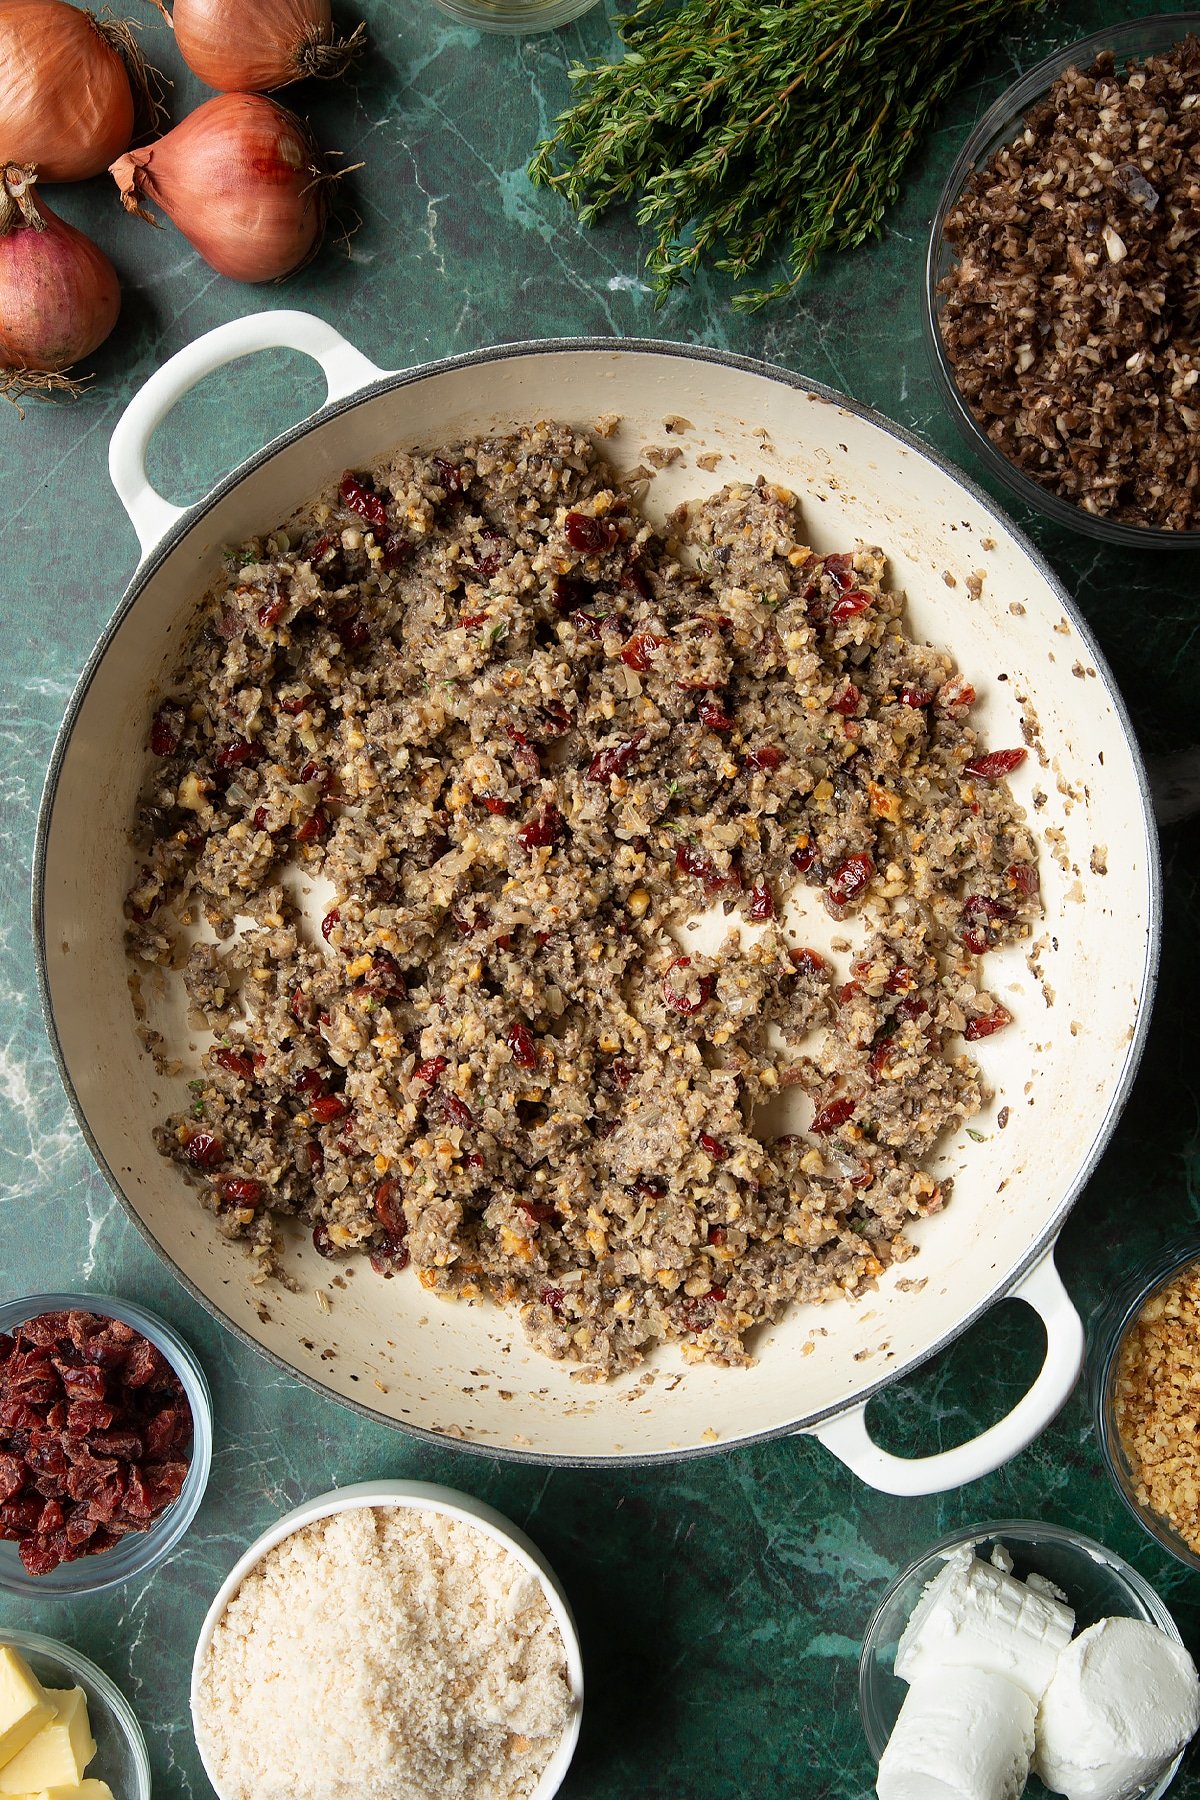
(1080, 1001)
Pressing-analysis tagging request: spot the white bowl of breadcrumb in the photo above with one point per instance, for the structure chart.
(389, 1641)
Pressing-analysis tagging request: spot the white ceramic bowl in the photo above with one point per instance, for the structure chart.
(419, 1496)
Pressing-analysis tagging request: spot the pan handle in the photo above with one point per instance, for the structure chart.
(849, 1440)
(346, 370)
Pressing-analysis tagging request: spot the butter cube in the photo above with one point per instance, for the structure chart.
(24, 1708)
(87, 1790)
(58, 1754)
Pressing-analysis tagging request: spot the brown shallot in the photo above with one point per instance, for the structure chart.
(241, 49)
(244, 181)
(59, 296)
(71, 87)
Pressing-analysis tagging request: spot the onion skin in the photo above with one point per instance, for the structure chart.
(240, 49)
(244, 181)
(65, 100)
(59, 295)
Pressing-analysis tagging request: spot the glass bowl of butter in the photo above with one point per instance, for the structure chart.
(1075, 1584)
(64, 1726)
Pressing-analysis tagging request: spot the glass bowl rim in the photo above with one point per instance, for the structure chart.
(88, 1575)
(34, 1643)
(1024, 1532)
(999, 122)
(416, 1496)
(1113, 1320)
(512, 17)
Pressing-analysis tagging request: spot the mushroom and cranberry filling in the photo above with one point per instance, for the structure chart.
(526, 739)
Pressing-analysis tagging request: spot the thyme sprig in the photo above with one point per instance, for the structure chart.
(739, 125)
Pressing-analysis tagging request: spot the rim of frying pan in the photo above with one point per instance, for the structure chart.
(785, 378)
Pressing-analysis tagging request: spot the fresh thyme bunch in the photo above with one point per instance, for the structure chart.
(742, 123)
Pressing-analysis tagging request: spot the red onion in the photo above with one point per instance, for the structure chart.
(59, 297)
(247, 49)
(244, 181)
(70, 85)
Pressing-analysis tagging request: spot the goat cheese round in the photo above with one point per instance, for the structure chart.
(965, 1734)
(977, 1614)
(1124, 1700)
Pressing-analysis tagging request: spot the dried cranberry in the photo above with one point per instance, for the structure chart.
(302, 1007)
(571, 592)
(537, 1210)
(384, 980)
(457, 1111)
(850, 879)
(840, 567)
(984, 1024)
(241, 1190)
(545, 827)
(633, 579)
(847, 605)
(615, 759)
(690, 859)
(449, 477)
(316, 826)
(683, 1003)
(351, 629)
(360, 498)
(766, 756)
(917, 697)
(591, 536)
(322, 1242)
(828, 1118)
(387, 1205)
(236, 1063)
(520, 1041)
(978, 906)
(591, 624)
(390, 1256)
(332, 917)
(803, 857)
(713, 716)
(309, 1083)
(488, 562)
(259, 818)
(327, 1107)
(295, 703)
(164, 731)
(204, 1151)
(493, 804)
(316, 1158)
(847, 701)
(556, 718)
(716, 1149)
(468, 621)
(762, 901)
(430, 1070)
(398, 551)
(1023, 877)
(321, 548)
(622, 1074)
(553, 1297)
(271, 611)
(995, 765)
(241, 751)
(641, 647)
(808, 962)
(976, 939)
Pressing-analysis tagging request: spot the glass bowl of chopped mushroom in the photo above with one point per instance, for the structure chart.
(1146, 1397)
(1057, 286)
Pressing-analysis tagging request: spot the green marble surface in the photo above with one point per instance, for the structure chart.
(722, 1602)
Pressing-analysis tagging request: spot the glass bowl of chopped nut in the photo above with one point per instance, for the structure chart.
(1146, 1397)
(105, 1442)
(1055, 310)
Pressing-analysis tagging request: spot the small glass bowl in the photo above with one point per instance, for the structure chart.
(417, 1496)
(1134, 41)
(515, 16)
(1097, 1582)
(139, 1551)
(1109, 1331)
(121, 1757)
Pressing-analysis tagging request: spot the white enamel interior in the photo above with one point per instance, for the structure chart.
(462, 1368)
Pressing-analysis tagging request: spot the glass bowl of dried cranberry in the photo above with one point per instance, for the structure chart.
(105, 1442)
